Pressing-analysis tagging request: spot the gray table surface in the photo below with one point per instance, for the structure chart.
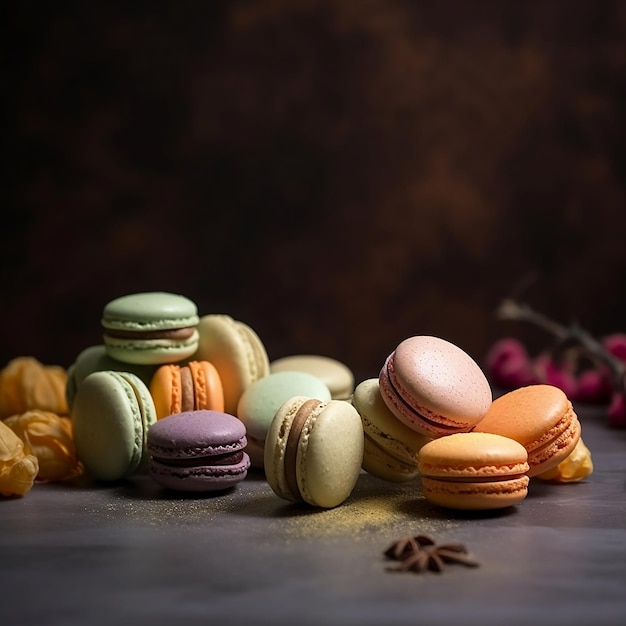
(131, 553)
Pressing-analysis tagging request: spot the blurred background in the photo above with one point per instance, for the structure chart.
(337, 174)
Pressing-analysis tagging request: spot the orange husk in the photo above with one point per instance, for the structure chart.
(18, 469)
(27, 384)
(48, 437)
(575, 467)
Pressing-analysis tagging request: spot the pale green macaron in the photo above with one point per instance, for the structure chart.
(337, 376)
(152, 327)
(260, 401)
(95, 359)
(314, 451)
(111, 414)
(391, 448)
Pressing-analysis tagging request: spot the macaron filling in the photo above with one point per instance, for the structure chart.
(303, 414)
(179, 334)
(187, 393)
(227, 458)
(468, 473)
(194, 451)
(408, 460)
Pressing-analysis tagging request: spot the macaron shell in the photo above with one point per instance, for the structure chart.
(258, 404)
(196, 434)
(110, 416)
(207, 386)
(237, 353)
(473, 456)
(541, 418)
(151, 351)
(475, 496)
(149, 311)
(390, 447)
(166, 390)
(200, 478)
(337, 376)
(438, 380)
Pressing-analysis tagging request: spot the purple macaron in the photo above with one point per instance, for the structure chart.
(198, 451)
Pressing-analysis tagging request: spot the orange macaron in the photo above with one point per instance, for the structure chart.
(190, 387)
(474, 471)
(541, 418)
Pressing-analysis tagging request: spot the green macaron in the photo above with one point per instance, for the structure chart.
(150, 328)
(260, 401)
(111, 414)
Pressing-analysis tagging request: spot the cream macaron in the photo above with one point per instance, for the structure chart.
(390, 447)
(236, 351)
(314, 451)
(337, 376)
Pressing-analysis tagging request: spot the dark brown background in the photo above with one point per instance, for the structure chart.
(339, 175)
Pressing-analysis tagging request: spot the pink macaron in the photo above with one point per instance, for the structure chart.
(200, 450)
(434, 387)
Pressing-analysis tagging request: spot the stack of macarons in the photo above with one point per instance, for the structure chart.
(431, 414)
(427, 388)
(158, 358)
(140, 332)
(163, 372)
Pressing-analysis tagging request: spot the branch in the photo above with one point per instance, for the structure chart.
(573, 335)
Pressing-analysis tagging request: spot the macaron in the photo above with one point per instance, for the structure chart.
(474, 471)
(181, 388)
(390, 447)
(337, 376)
(150, 328)
(198, 451)
(237, 353)
(314, 451)
(541, 418)
(260, 401)
(95, 359)
(434, 387)
(111, 415)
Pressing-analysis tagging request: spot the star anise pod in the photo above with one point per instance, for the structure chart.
(407, 546)
(421, 553)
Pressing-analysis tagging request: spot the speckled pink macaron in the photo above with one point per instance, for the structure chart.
(434, 387)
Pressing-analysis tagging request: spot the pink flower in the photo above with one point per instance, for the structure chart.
(617, 410)
(508, 364)
(616, 345)
(594, 386)
(549, 372)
